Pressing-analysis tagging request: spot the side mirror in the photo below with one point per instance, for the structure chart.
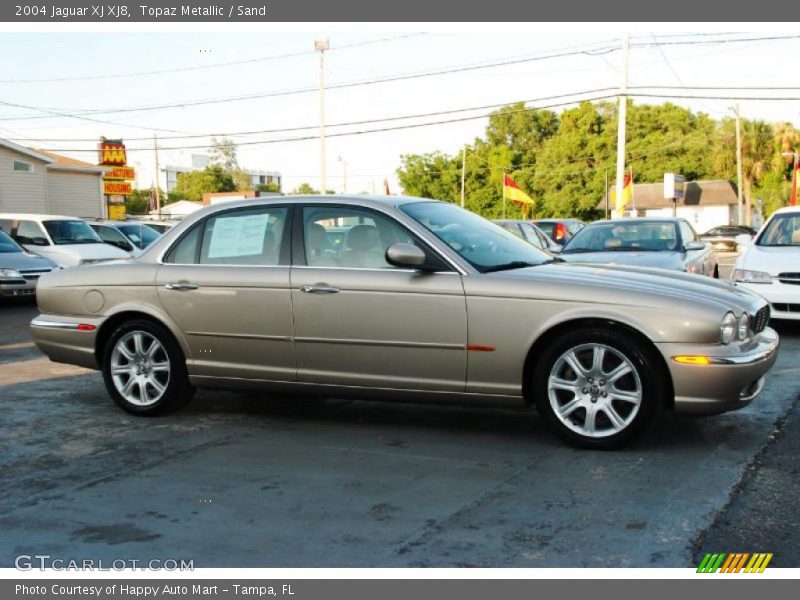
(694, 246)
(39, 241)
(743, 240)
(405, 255)
(555, 249)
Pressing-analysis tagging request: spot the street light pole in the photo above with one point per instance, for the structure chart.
(739, 176)
(623, 110)
(321, 45)
(463, 171)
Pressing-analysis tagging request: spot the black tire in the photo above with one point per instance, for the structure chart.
(635, 419)
(177, 390)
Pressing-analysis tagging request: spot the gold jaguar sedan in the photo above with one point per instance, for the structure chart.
(404, 299)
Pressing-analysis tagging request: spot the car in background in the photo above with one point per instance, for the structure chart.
(664, 243)
(130, 236)
(723, 238)
(770, 266)
(530, 233)
(161, 227)
(560, 230)
(67, 241)
(423, 301)
(20, 270)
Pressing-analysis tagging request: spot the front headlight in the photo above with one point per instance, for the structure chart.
(744, 326)
(746, 276)
(727, 329)
(9, 274)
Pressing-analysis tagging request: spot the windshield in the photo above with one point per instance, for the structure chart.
(486, 246)
(141, 235)
(782, 230)
(619, 236)
(71, 232)
(8, 245)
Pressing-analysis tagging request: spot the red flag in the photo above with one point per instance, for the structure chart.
(795, 175)
(153, 199)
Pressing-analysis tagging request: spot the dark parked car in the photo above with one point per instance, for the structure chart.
(126, 235)
(19, 269)
(724, 237)
(530, 233)
(665, 243)
(560, 230)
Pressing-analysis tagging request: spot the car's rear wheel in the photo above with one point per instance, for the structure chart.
(144, 369)
(597, 388)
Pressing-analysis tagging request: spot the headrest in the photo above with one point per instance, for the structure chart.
(362, 237)
(269, 241)
(316, 235)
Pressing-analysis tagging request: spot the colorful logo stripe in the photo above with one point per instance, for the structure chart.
(735, 562)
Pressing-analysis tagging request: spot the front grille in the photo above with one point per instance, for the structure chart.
(759, 320)
(782, 307)
(33, 274)
(790, 278)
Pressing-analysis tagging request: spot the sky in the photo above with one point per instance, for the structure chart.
(56, 74)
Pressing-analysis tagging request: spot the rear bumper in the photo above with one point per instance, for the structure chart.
(61, 341)
(734, 377)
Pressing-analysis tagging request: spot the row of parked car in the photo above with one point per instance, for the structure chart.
(769, 261)
(31, 245)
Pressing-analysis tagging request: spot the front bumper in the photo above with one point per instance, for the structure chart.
(734, 377)
(23, 288)
(783, 298)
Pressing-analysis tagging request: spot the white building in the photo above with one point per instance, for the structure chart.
(41, 182)
(200, 161)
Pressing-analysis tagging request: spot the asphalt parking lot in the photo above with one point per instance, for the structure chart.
(243, 480)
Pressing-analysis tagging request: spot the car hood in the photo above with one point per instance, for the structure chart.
(69, 255)
(772, 260)
(24, 261)
(629, 286)
(660, 260)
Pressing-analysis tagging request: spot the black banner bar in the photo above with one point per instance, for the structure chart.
(243, 11)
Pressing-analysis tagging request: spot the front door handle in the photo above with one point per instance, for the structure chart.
(182, 285)
(319, 289)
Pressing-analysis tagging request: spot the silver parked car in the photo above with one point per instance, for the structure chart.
(19, 269)
(530, 233)
(663, 243)
(421, 301)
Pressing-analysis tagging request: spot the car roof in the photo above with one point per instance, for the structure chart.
(787, 209)
(36, 217)
(638, 220)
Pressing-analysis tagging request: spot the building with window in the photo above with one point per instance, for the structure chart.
(169, 180)
(41, 182)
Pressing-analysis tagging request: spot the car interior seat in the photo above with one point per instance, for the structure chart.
(363, 248)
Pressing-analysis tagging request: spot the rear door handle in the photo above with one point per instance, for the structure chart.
(319, 289)
(182, 285)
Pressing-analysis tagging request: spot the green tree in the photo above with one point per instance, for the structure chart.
(192, 185)
(138, 203)
(272, 186)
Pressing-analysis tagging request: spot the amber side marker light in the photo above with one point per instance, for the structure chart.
(692, 360)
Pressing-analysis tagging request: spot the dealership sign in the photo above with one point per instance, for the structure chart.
(112, 153)
(120, 173)
(114, 187)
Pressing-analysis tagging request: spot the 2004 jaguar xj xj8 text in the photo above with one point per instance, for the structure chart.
(405, 299)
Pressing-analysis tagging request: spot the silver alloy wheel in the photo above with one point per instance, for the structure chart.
(594, 390)
(140, 368)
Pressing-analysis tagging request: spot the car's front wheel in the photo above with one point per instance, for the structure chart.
(597, 388)
(144, 369)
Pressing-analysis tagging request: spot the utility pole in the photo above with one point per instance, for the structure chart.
(321, 45)
(158, 196)
(739, 166)
(463, 171)
(606, 174)
(623, 111)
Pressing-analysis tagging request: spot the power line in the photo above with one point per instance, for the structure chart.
(392, 78)
(220, 65)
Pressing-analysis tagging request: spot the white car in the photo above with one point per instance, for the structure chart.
(67, 241)
(770, 266)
